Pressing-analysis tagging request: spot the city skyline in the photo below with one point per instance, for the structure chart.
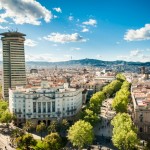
(60, 30)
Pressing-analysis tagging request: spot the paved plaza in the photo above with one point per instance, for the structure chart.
(5, 137)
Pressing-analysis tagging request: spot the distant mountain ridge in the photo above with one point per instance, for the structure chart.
(88, 62)
(85, 62)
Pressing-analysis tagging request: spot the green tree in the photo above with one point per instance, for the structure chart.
(65, 124)
(120, 103)
(120, 77)
(26, 142)
(53, 126)
(81, 133)
(41, 128)
(27, 126)
(96, 101)
(15, 133)
(124, 132)
(3, 107)
(116, 85)
(6, 117)
(126, 85)
(110, 89)
(53, 141)
(40, 146)
(90, 117)
(121, 99)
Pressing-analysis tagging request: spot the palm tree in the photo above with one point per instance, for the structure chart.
(40, 128)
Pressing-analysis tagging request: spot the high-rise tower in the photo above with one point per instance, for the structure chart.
(13, 61)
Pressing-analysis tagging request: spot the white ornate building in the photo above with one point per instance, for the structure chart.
(44, 104)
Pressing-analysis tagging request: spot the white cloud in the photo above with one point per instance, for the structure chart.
(91, 22)
(2, 20)
(39, 57)
(98, 56)
(30, 43)
(67, 56)
(134, 53)
(24, 11)
(70, 18)
(139, 34)
(55, 16)
(85, 30)
(58, 9)
(65, 38)
(3, 28)
(123, 57)
(75, 48)
(145, 58)
(47, 57)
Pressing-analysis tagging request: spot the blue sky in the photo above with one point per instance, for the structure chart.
(59, 30)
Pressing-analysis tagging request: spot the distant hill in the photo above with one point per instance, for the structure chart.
(84, 62)
(88, 62)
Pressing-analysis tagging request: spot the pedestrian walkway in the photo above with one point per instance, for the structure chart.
(103, 130)
(5, 143)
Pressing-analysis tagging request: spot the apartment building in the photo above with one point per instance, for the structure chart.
(141, 112)
(44, 103)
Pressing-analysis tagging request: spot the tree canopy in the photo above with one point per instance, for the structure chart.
(124, 132)
(121, 100)
(81, 133)
(110, 89)
(3, 106)
(120, 77)
(53, 141)
(90, 117)
(40, 128)
(26, 142)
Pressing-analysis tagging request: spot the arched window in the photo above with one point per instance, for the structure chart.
(141, 129)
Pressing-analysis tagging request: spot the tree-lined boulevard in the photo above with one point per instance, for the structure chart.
(104, 121)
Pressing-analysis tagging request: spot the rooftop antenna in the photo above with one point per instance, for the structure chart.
(10, 30)
(16, 29)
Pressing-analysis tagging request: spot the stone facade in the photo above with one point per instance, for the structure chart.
(44, 104)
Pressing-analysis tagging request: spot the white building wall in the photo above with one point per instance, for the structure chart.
(67, 103)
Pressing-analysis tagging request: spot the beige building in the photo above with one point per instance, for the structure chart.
(13, 61)
(141, 114)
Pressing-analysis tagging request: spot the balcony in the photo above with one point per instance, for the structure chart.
(71, 110)
(29, 113)
(19, 112)
(58, 113)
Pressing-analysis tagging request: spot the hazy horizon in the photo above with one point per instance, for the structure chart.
(59, 30)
